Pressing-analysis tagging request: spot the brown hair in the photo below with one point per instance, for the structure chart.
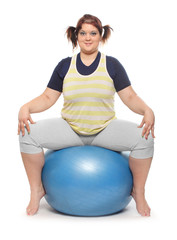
(72, 32)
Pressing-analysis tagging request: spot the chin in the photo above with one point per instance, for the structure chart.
(89, 51)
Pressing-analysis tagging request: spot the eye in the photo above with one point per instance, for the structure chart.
(93, 33)
(82, 33)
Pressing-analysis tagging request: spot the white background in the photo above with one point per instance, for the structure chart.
(32, 43)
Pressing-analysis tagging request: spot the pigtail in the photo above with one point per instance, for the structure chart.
(71, 35)
(107, 33)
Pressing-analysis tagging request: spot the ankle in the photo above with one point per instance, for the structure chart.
(138, 190)
(36, 189)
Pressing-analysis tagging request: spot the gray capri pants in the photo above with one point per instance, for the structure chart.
(57, 134)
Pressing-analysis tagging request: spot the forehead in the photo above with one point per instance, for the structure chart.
(88, 27)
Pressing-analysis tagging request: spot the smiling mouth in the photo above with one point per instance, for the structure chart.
(87, 44)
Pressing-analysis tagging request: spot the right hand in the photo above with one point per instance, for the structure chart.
(23, 118)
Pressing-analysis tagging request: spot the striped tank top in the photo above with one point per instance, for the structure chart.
(88, 99)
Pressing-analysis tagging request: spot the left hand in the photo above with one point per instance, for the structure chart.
(148, 122)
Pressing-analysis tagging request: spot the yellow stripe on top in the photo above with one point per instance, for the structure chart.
(88, 99)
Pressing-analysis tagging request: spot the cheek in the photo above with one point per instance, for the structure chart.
(79, 41)
(97, 41)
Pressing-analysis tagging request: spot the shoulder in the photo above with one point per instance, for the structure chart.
(117, 73)
(66, 60)
(114, 66)
(113, 63)
(56, 80)
(63, 66)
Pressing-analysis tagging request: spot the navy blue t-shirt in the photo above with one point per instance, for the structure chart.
(114, 68)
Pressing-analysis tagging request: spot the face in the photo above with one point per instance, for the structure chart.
(88, 38)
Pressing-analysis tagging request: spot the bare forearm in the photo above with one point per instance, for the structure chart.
(38, 104)
(43, 102)
(133, 101)
(137, 105)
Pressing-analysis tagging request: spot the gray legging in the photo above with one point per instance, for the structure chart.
(57, 134)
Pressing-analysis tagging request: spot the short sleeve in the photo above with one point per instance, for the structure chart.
(117, 73)
(58, 75)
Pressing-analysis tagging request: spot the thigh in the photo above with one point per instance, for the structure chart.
(54, 134)
(119, 135)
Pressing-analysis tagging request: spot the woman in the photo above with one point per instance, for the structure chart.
(88, 82)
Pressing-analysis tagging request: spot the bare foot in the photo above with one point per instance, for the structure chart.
(141, 204)
(36, 196)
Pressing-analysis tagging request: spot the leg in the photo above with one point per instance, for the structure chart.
(125, 136)
(33, 164)
(52, 134)
(140, 169)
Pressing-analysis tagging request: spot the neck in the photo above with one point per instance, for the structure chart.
(88, 58)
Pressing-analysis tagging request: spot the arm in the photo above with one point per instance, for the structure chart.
(39, 104)
(137, 105)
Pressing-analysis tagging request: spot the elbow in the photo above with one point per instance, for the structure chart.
(51, 96)
(47, 99)
(130, 98)
(127, 95)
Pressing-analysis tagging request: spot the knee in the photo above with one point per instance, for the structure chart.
(144, 148)
(147, 143)
(28, 144)
(24, 138)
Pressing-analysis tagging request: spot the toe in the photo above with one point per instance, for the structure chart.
(31, 211)
(28, 211)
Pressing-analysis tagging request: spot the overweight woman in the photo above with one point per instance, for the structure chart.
(88, 82)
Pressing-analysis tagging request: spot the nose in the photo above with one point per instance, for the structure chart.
(87, 36)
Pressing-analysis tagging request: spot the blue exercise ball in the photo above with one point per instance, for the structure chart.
(87, 181)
